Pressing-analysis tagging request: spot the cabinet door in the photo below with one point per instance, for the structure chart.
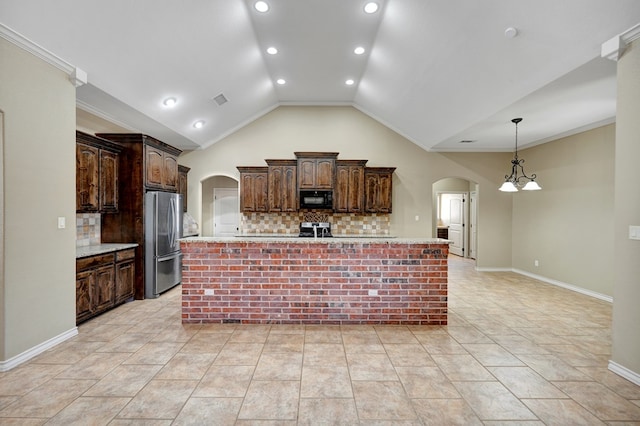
(289, 190)
(306, 173)
(384, 193)
(274, 191)
(261, 192)
(371, 192)
(125, 277)
(103, 291)
(87, 178)
(356, 190)
(84, 284)
(108, 181)
(169, 172)
(183, 188)
(324, 173)
(341, 194)
(253, 192)
(154, 165)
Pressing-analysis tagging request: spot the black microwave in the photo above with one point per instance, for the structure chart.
(316, 200)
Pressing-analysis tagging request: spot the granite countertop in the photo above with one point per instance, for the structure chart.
(84, 251)
(336, 239)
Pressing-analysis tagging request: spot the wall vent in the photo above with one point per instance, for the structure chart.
(221, 99)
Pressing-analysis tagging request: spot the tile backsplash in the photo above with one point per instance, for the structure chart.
(289, 223)
(87, 229)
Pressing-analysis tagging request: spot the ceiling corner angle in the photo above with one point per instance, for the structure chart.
(35, 49)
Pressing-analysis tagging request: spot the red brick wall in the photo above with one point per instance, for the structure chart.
(307, 282)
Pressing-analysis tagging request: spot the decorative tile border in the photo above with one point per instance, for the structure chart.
(289, 223)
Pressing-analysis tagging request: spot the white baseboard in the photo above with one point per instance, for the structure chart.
(565, 285)
(37, 350)
(485, 269)
(632, 376)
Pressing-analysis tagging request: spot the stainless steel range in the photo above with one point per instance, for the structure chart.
(315, 229)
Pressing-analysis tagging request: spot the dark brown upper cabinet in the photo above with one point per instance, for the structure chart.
(281, 191)
(349, 188)
(253, 189)
(378, 189)
(97, 163)
(316, 170)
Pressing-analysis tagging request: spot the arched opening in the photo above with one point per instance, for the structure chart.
(220, 206)
(455, 214)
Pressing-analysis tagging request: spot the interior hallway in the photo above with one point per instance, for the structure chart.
(515, 350)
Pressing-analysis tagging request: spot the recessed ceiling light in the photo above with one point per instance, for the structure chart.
(511, 32)
(349, 82)
(272, 50)
(371, 7)
(261, 6)
(198, 124)
(169, 102)
(358, 50)
(281, 81)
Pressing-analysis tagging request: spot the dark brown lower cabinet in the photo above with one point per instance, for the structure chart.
(125, 275)
(103, 282)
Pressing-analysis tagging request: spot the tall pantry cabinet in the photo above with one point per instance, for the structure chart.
(146, 164)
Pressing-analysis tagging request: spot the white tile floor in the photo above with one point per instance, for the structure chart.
(516, 351)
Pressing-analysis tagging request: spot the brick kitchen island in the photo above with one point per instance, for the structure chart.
(305, 281)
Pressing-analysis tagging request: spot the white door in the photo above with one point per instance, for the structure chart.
(473, 224)
(226, 212)
(452, 215)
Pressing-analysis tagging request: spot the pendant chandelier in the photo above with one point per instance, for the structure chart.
(518, 178)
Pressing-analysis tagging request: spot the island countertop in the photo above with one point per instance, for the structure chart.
(336, 239)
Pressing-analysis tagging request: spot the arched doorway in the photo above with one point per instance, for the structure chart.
(455, 214)
(220, 206)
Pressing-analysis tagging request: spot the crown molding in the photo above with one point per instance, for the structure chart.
(77, 76)
(614, 48)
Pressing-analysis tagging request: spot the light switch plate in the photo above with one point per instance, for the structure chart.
(62, 223)
(634, 232)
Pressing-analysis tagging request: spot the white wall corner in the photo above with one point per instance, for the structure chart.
(614, 48)
(632, 376)
(37, 350)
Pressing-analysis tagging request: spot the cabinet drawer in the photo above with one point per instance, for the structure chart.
(93, 261)
(125, 254)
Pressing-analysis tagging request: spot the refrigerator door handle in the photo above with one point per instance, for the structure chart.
(171, 218)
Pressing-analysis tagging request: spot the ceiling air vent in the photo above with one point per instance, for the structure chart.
(220, 99)
(467, 141)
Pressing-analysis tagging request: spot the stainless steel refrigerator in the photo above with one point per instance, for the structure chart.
(163, 228)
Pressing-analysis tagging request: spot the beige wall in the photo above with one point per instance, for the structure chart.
(626, 314)
(38, 102)
(357, 136)
(568, 226)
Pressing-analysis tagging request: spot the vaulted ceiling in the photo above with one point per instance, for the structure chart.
(436, 71)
